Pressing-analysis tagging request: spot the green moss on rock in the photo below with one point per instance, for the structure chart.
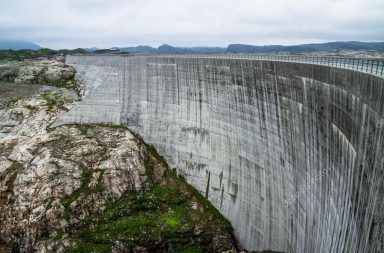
(83, 190)
(165, 215)
(53, 99)
(170, 216)
(15, 167)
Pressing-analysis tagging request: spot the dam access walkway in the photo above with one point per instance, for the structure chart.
(374, 66)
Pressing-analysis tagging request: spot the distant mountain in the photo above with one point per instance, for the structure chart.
(348, 45)
(72, 51)
(170, 49)
(250, 48)
(165, 49)
(17, 45)
(209, 49)
(90, 50)
(138, 49)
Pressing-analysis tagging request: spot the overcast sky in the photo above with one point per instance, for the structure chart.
(100, 23)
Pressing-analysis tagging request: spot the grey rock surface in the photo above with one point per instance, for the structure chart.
(40, 168)
(292, 154)
(45, 72)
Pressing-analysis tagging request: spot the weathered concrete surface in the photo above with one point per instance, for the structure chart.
(99, 80)
(291, 153)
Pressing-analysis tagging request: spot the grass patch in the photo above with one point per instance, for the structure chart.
(160, 217)
(151, 149)
(30, 107)
(49, 205)
(53, 99)
(83, 190)
(172, 221)
(148, 164)
(105, 157)
(15, 167)
(83, 129)
(208, 207)
(188, 249)
(90, 247)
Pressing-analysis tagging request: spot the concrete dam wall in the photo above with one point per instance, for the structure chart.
(292, 154)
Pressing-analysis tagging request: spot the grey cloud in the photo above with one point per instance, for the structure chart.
(101, 23)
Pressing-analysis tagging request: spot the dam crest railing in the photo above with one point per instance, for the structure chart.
(373, 66)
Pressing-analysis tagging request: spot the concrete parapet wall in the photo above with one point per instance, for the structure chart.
(292, 154)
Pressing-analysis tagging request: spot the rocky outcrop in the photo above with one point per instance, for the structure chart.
(47, 72)
(82, 188)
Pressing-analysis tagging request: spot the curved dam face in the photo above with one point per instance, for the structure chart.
(292, 154)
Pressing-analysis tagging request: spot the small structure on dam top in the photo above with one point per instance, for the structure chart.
(292, 153)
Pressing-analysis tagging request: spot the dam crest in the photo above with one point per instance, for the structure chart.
(292, 153)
